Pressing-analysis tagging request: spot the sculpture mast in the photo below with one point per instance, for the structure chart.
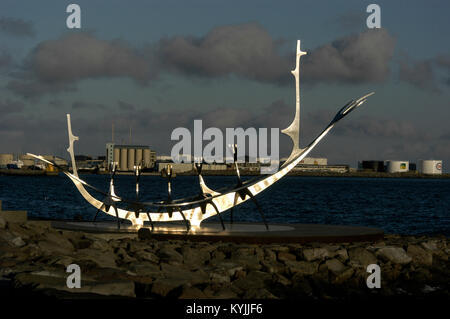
(293, 131)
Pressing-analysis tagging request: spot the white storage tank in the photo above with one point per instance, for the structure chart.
(432, 167)
(139, 156)
(131, 155)
(146, 158)
(397, 166)
(116, 157)
(123, 159)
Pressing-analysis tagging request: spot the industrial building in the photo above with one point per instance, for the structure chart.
(397, 166)
(128, 156)
(430, 167)
(6, 159)
(371, 166)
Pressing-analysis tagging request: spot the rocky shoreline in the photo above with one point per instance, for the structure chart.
(34, 257)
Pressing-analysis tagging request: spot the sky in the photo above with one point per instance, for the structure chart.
(158, 65)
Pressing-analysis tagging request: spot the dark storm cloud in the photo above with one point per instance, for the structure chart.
(419, 74)
(381, 128)
(87, 105)
(16, 27)
(8, 106)
(249, 51)
(78, 56)
(422, 73)
(125, 106)
(359, 58)
(246, 50)
(5, 58)
(56, 65)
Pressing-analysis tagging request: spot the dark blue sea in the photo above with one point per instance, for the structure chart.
(402, 206)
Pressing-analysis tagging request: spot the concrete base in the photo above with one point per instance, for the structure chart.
(237, 232)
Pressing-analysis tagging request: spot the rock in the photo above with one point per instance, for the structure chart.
(224, 293)
(146, 255)
(163, 286)
(270, 255)
(302, 267)
(335, 266)
(430, 245)
(101, 245)
(228, 267)
(219, 278)
(18, 242)
(253, 280)
(56, 245)
(118, 288)
(395, 255)
(284, 256)
(189, 292)
(342, 255)
(146, 269)
(360, 257)
(125, 258)
(3, 223)
(344, 275)
(144, 234)
(419, 255)
(311, 254)
(273, 267)
(249, 262)
(192, 277)
(195, 257)
(217, 255)
(280, 279)
(94, 257)
(170, 255)
(259, 294)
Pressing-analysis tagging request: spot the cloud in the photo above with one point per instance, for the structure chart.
(422, 73)
(87, 105)
(5, 58)
(246, 50)
(16, 27)
(419, 74)
(359, 58)
(56, 65)
(125, 106)
(8, 106)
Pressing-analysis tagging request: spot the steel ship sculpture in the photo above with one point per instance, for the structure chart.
(208, 202)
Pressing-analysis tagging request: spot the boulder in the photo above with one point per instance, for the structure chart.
(311, 254)
(196, 257)
(361, 257)
(91, 256)
(18, 242)
(342, 255)
(396, 255)
(253, 280)
(146, 269)
(335, 266)
(284, 256)
(259, 294)
(170, 255)
(147, 255)
(302, 267)
(163, 286)
(419, 255)
(190, 292)
(3, 223)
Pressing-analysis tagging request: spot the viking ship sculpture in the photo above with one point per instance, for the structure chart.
(195, 209)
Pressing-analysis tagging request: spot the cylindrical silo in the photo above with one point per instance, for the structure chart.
(397, 166)
(116, 157)
(131, 155)
(139, 156)
(430, 167)
(146, 158)
(123, 159)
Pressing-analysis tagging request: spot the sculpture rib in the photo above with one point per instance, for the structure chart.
(222, 201)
